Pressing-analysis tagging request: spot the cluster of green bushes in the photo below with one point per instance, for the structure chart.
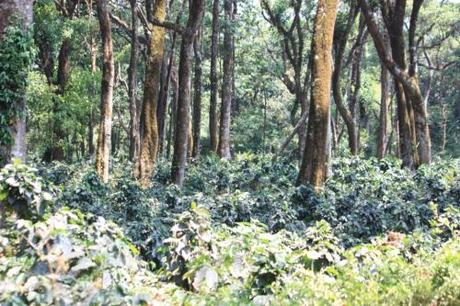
(238, 233)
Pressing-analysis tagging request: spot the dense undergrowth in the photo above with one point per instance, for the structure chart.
(238, 233)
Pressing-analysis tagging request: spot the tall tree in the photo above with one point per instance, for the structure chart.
(164, 91)
(105, 127)
(13, 145)
(134, 132)
(197, 86)
(293, 44)
(340, 41)
(315, 159)
(227, 84)
(213, 135)
(415, 143)
(149, 126)
(196, 8)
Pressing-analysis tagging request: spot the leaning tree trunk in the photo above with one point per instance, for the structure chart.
(315, 159)
(134, 133)
(105, 128)
(197, 85)
(12, 11)
(213, 76)
(227, 86)
(149, 126)
(196, 8)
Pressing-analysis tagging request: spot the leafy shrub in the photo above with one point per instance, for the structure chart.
(22, 191)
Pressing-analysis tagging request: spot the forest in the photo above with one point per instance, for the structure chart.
(230, 152)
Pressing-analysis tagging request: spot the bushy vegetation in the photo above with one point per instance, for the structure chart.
(238, 233)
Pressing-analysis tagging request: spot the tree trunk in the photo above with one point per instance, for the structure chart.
(164, 91)
(226, 108)
(414, 132)
(197, 97)
(213, 125)
(17, 127)
(314, 164)
(149, 126)
(134, 133)
(105, 127)
(196, 8)
(383, 116)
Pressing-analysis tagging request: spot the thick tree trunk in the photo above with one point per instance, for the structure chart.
(315, 160)
(149, 126)
(226, 108)
(105, 127)
(17, 147)
(213, 125)
(173, 112)
(134, 132)
(197, 85)
(196, 8)
(383, 116)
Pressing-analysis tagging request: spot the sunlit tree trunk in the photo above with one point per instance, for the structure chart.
(105, 127)
(315, 159)
(226, 108)
(149, 126)
(196, 8)
(17, 147)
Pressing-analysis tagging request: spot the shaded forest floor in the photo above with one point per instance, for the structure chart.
(239, 232)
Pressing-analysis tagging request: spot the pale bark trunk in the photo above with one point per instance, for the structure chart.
(226, 108)
(105, 128)
(17, 149)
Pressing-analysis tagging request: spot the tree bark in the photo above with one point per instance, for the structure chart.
(226, 108)
(164, 91)
(213, 125)
(197, 85)
(315, 159)
(340, 42)
(415, 143)
(383, 115)
(196, 9)
(105, 128)
(23, 10)
(134, 132)
(149, 125)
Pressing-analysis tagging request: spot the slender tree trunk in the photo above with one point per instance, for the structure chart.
(197, 96)
(105, 127)
(226, 109)
(214, 78)
(134, 133)
(17, 147)
(383, 116)
(149, 125)
(196, 8)
(315, 160)
(164, 92)
(173, 113)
